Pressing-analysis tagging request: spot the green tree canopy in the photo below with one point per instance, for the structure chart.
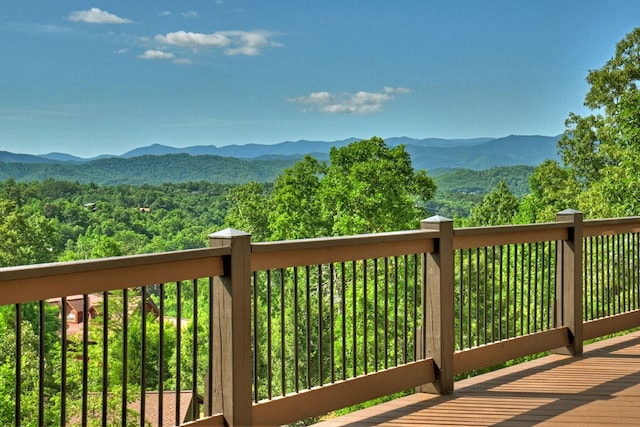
(370, 187)
(498, 207)
(601, 151)
(25, 239)
(367, 187)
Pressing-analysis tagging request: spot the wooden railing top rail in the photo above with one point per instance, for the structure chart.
(605, 227)
(478, 237)
(38, 282)
(291, 253)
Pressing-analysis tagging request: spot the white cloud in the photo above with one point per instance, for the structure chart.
(164, 13)
(189, 14)
(231, 42)
(122, 51)
(96, 16)
(348, 103)
(189, 39)
(156, 54)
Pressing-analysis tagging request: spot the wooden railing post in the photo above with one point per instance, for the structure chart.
(231, 347)
(569, 282)
(438, 314)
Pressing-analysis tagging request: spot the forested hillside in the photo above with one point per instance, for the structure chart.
(77, 220)
(69, 220)
(151, 170)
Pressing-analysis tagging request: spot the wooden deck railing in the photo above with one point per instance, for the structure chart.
(272, 333)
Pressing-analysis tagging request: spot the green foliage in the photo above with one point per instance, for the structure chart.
(498, 208)
(53, 220)
(296, 201)
(29, 366)
(601, 151)
(24, 238)
(249, 210)
(553, 189)
(459, 190)
(152, 170)
(480, 182)
(368, 187)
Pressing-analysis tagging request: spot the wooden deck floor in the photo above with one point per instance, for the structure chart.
(602, 387)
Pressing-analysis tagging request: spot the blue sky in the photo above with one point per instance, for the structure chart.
(94, 77)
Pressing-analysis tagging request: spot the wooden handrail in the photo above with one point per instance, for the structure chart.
(478, 237)
(273, 255)
(40, 282)
(606, 227)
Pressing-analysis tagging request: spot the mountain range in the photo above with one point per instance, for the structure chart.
(262, 162)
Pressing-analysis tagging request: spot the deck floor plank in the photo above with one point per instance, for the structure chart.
(601, 387)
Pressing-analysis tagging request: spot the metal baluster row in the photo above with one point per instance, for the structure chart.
(315, 325)
(74, 371)
(503, 292)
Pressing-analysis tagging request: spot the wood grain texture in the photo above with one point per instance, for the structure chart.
(601, 387)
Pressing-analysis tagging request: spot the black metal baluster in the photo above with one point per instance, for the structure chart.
(508, 296)
(308, 324)
(469, 302)
(63, 370)
(320, 326)
(415, 304)
(529, 288)
(194, 351)
(485, 288)
(343, 283)
(105, 357)
(18, 382)
(405, 310)
(395, 314)
(354, 322)
(462, 305)
(332, 316)
(124, 355)
(85, 357)
(500, 304)
(296, 346)
(178, 351)
(161, 346)
(364, 315)
(535, 288)
(283, 384)
(143, 354)
(375, 314)
(269, 344)
(41, 362)
(255, 340)
(493, 293)
(386, 313)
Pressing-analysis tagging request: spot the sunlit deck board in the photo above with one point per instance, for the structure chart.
(600, 388)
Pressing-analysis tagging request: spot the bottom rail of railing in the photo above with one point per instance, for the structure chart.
(341, 394)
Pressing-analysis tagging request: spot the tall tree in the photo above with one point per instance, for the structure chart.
(368, 187)
(249, 210)
(296, 201)
(25, 239)
(602, 150)
(497, 208)
(371, 187)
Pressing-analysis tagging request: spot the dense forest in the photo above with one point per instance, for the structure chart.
(154, 170)
(365, 187)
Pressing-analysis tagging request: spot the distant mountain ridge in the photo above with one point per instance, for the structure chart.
(263, 162)
(515, 143)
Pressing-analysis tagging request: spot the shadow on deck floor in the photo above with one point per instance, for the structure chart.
(601, 387)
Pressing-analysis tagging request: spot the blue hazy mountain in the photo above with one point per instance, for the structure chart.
(265, 161)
